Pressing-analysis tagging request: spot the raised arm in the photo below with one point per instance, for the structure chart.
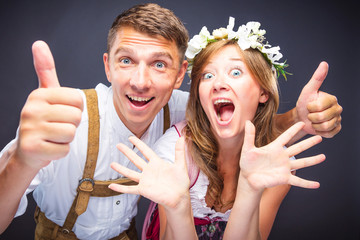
(265, 168)
(162, 182)
(48, 123)
(320, 111)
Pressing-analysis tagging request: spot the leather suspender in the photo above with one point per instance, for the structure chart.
(87, 186)
(166, 118)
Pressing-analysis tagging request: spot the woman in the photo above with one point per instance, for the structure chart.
(243, 170)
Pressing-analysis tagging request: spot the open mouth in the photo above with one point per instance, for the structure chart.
(139, 101)
(224, 109)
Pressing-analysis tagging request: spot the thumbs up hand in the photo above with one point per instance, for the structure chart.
(320, 111)
(50, 115)
(44, 65)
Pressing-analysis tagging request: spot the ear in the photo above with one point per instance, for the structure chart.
(181, 74)
(264, 96)
(106, 66)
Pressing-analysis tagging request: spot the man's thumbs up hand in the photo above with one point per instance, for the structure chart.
(44, 65)
(50, 115)
(319, 110)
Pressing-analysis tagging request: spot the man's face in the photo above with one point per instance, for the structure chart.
(143, 71)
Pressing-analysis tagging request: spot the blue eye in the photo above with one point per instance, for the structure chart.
(125, 61)
(235, 72)
(208, 75)
(159, 65)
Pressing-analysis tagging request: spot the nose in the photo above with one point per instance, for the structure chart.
(220, 83)
(140, 80)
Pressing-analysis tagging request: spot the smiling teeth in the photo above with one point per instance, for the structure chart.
(139, 99)
(221, 101)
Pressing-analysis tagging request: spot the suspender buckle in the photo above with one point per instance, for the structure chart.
(85, 186)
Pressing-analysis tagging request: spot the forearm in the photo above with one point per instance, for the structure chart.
(285, 120)
(15, 177)
(243, 222)
(270, 202)
(180, 222)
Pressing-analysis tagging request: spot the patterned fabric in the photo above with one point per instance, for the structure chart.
(211, 231)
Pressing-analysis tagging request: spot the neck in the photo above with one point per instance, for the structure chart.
(138, 131)
(229, 169)
(228, 164)
(229, 154)
(137, 128)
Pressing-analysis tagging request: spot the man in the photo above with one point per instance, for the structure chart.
(144, 63)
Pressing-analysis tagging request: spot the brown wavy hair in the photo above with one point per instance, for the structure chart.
(201, 141)
(153, 20)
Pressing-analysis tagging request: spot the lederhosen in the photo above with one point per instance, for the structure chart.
(45, 228)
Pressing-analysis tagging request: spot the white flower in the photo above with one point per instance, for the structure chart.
(204, 35)
(220, 33)
(273, 53)
(231, 24)
(262, 32)
(197, 43)
(243, 38)
(247, 36)
(253, 26)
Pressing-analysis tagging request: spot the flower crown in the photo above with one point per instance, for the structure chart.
(247, 36)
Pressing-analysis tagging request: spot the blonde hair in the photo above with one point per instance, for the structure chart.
(201, 141)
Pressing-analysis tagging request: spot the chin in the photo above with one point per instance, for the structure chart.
(226, 134)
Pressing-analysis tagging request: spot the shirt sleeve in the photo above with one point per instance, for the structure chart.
(177, 106)
(165, 145)
(34, 183)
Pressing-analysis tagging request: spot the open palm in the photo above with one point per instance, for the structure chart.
(270, 165)
(160, 181)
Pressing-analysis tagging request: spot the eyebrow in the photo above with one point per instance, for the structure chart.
(232, 59)
(237, 59)
(163, 54)
(123, 49)
(154, 55)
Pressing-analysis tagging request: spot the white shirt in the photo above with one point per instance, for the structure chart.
(55, 185)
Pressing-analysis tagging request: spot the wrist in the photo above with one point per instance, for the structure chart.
(285, 120)
(180, 220)
(182, 205)
(21, 162)
(246, 187)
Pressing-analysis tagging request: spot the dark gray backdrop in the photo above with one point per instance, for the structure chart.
(307, 31)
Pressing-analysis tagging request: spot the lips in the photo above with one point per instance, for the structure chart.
(139, 101)
(224, 109)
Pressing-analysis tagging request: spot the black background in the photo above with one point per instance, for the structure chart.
(308, 32)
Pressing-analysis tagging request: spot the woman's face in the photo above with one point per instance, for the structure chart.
(229, 94)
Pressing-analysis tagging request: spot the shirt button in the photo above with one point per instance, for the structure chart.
(117, 202)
